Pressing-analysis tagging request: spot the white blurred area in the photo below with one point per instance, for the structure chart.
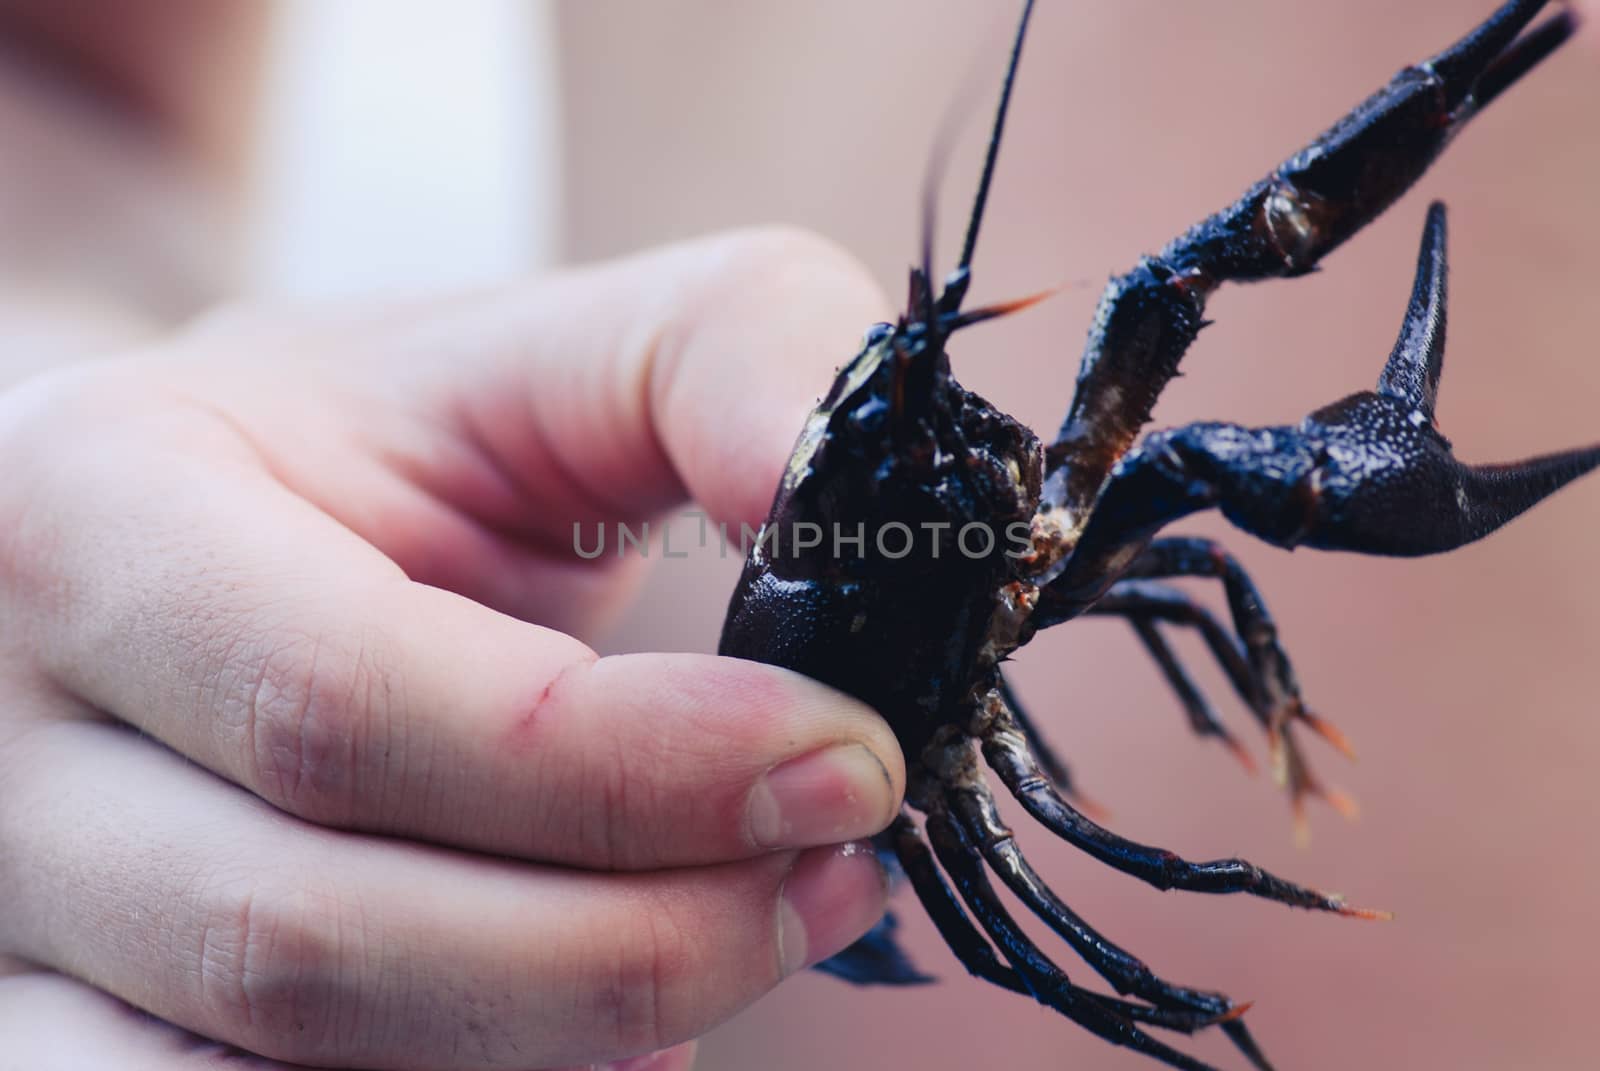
(405, 145)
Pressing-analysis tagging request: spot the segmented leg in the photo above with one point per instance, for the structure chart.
(1192, 556)
(1007, 754)
(970, 946)
(974, 950)
(1282, 227)
(974, 808)
(1202, 718)
(1149, 601)
(1048, 983)
(1050, 760)
(1274, 692)
(1142, 604)
(1274, 676)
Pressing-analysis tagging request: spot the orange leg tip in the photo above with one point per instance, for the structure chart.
(1371, 914)
(1346, 805)
(1237, 750)
(1235, 1012)
(1331, 733)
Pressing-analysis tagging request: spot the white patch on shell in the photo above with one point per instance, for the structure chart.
(816, 429)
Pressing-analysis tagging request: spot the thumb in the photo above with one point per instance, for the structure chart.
(465, 436)
(619, 390)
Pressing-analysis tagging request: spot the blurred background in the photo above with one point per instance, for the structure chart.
(359, 146)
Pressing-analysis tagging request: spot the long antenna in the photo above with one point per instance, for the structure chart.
(976, 220)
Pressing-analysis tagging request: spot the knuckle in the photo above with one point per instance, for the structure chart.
(269, 971)
(318, 715)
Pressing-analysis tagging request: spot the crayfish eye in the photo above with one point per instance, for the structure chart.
(877, 333)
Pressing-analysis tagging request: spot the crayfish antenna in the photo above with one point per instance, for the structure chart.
(956, 286)
(956, 283)
(952, 322)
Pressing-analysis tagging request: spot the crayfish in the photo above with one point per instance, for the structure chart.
(951, 536)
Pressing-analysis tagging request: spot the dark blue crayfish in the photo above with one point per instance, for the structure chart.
(953, 536)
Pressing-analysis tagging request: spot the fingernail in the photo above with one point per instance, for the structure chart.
(826, 797)
(831, 897)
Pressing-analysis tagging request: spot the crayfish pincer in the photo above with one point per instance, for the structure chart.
(920, 536)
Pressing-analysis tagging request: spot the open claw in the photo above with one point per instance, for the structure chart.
(1281, 227)
(1474, 70)
(1370, 474)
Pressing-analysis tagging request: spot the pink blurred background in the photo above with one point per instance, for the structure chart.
(1468, 682)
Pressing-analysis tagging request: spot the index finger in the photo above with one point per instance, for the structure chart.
(216, 611)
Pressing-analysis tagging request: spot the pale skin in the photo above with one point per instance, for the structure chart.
(302, 751)
(303, 757)
(302, 551)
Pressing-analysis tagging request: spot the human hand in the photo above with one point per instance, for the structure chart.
(392, 824)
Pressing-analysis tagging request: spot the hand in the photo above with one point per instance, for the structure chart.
(282, 761)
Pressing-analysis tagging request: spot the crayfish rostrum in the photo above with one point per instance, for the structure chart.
(949, 535)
